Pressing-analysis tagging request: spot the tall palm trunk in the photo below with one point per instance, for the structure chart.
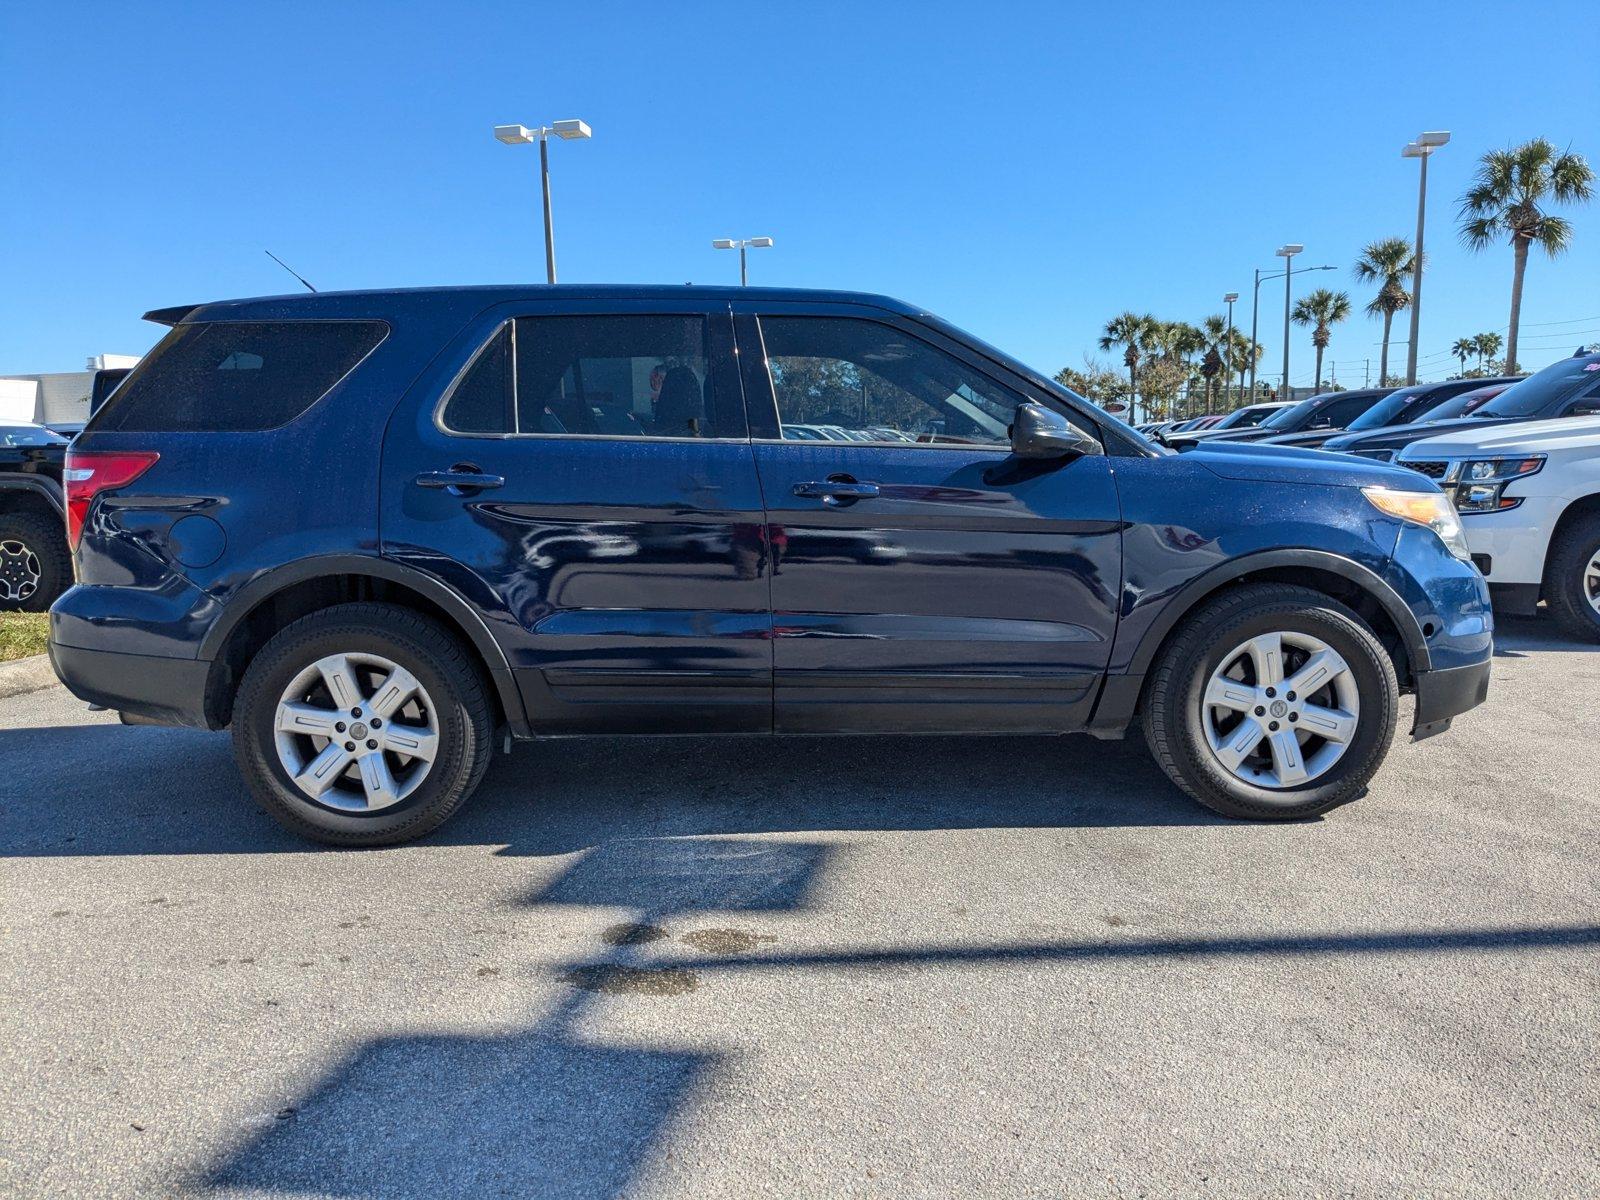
(1383, 355)
(1317, 386)
(1520, 245)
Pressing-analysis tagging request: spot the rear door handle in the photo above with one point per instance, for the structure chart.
(836, 491)
(459, 481)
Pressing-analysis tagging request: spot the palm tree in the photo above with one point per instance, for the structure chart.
(1504, 202)
(1321, 309)
(1487, 345)
(1464, 349)
(1214, 333)
(1386, 262)
(1131, 331)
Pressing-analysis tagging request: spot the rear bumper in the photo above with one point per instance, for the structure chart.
(1444, 695)
(167, 691)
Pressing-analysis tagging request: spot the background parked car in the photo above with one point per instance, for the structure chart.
(1529, 497)
(1403, 406)
(35, 564)
(1569, 387)
(1326, 410)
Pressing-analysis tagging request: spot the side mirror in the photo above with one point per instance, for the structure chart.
(1039, 432)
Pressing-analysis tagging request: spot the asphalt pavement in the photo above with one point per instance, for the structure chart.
(807, 967)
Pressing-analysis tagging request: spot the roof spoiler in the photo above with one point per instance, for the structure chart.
(170, 316)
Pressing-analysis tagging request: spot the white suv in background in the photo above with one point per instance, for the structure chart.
(1529, 496)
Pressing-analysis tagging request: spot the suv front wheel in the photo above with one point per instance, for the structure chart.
(1272, 702)
(1572, 581)
(35, 564)
(362, 725)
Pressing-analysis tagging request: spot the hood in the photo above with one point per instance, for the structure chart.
(1306, 437)
(1183, 441)
(1267, 463)
(1515, 437)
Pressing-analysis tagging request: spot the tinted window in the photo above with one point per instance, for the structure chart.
(1341, 412)
(1385, 411)
(234, 377)
(1546, 389)
(1293, 417)
(28, 435)
(846, 380)
(630, 376)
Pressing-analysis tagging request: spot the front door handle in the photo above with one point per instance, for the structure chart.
(837, 491)
(459, 480)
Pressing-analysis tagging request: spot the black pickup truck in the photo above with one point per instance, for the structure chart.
(35, 565)
(35, 562)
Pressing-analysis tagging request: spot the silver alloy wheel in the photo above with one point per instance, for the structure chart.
(356, 732)
(1280, 710)
(20, 572)
(1591, 582)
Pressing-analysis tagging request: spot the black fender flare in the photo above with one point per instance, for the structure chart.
(466, 619)
(1201, 586)
(37, 486)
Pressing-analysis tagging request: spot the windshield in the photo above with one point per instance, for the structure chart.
(1244, 418)
(1543, 390)
(1384, 411)
(1291, 417)
(28, 435)
(1463, 404)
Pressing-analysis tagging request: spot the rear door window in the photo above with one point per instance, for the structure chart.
(237, 376)
(642, 375)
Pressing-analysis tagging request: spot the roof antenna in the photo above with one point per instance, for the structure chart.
(289, 269)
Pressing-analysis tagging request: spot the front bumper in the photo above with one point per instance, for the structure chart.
(1444, 695)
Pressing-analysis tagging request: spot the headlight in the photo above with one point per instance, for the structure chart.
(1481, 482)
(1432, 509)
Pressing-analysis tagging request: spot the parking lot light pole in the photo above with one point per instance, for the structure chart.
(1255, 304)
(741, 244)
(518, 135)
(1227, 348)
(1287, 253)
(1422, 148)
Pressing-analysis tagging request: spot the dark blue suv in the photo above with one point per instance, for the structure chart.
(378, 533)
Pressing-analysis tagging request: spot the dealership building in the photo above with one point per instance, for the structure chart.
(56, 398)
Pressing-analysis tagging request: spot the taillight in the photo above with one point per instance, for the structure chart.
(90, 472)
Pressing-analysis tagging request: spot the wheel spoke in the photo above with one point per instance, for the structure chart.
(376, 780)
(1266, 652)
(1286, 757)
(411, 741)
(1321, 669)
(393, 692)
(1332, 723)
(1223, 692)
(309, 719)
(1239, 744)
(340, 677)
(318, 775)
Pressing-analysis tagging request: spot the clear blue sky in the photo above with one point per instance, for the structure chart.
(1025, 170)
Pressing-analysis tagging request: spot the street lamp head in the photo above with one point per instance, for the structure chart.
(764, 243)
(1435, 139)
(1413, 150)
(1289, 250)
(570, 130)
(1230, 297)
(722, 244)
(513, 135)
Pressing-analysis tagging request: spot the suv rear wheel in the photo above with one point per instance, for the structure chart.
(35, 564)
(362, 725)
(1272, 702)
(1572, 582)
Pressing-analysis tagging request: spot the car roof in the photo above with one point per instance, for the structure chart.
(373, 301)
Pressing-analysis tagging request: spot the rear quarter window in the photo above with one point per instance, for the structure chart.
(237, 376)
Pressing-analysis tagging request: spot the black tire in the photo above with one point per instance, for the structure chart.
(439, 661)
(1173, 709)
(44, 542)
(1566, 588)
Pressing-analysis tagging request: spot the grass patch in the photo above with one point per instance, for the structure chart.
(22, 634)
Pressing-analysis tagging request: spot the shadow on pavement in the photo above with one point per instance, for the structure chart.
(112, 789)
(539, 1112)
